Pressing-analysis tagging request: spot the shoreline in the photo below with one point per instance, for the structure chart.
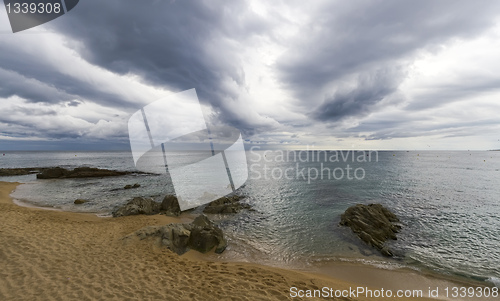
(35, 243)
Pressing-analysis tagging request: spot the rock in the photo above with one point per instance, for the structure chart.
(205, 235)
(80, 201)
(148, 231)
(61, 173)
(229, 204)
(170, 206)
(374, 224)
(179, 239)
(203, 239)
(132, 186)
(202, 221)
(52, 173)
(386, 252)
(201, 235)
(80, 172)
(6, 172)
(138, 206)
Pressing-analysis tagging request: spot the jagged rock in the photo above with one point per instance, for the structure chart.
(229, 204)
(202, 221)
(201, 235)
(386, 252)
(132, 186)
(138, 206)
(80, 201)
(205, 235)
(170, 206)
(177, 238)
(374, 224)
(80, 172)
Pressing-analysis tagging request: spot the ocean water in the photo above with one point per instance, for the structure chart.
(448, 203)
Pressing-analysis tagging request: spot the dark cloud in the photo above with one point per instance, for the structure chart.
(36, 79)
(73, 103)
(174, 44)
(13, 83)
(359, 37)
(369, 90)
(347, 62)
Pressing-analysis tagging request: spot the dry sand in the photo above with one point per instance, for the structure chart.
(53, 255)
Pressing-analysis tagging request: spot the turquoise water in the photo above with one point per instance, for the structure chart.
(448, 203)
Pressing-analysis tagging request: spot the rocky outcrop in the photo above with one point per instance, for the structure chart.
(227, 204)
(138, 206)
(61, 173)
(6, 172)
(80, 172)
(170, 206)
(201, 235)
(80, 201)
(132, 186)
(373, 224)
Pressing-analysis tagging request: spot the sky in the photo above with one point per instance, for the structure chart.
(386, 75)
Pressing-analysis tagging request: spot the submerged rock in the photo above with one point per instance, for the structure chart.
(373, 224)
(170, 206)
(201, 235)
(80, 172)
(132, 186)
(138, 206)
(225, 204)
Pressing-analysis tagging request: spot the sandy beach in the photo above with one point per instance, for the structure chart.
(54, 255)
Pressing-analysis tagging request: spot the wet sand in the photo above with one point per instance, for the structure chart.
(54, 255)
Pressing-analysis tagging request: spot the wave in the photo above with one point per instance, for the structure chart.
(494, 280)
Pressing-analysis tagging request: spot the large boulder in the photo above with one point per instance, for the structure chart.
(138, 206)
(176, 237)
(227, 204)
(80, 172)
(170, 206)
(205, 236)
(201, 235)
(373, 224)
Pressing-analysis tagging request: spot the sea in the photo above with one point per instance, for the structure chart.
(448, 203)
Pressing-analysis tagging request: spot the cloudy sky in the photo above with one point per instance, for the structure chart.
(323, 74)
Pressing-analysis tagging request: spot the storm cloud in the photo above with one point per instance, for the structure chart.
(332, 73)
(367, 39)
(173, 44)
